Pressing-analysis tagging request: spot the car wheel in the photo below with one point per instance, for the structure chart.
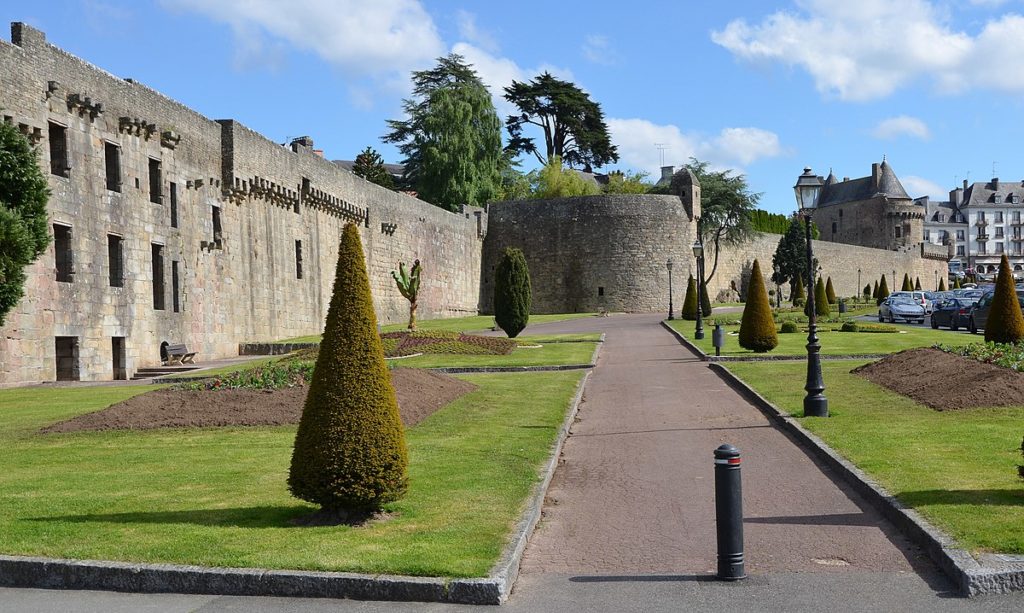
(935, 323)
(892, 318)
(880, 318)
(953, 324)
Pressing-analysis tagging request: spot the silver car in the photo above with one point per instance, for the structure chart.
(902, 307)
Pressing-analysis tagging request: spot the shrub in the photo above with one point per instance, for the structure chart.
(867, 292)
(789, 327)
(830, 292)
(849, 326)
(757, 328)
(821, 303)
(956, 283)
(917, 284)
(512, 294)
(689, 311)
(409, 286)
(883, 328)
(797, 294)
(350, 455)
(1005, 321)
(942, 285)
(874, 292)
(883, 291)
(907, 285)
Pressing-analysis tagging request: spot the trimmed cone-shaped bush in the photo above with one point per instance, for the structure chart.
(350, 453)
(956, 283)
(797, 295)
(867, 291)
(689, 311)
(821, 306)
(907, 285)
(1005, 322)
(883, 291)
(942, 285)
(830, 292)
(757, 327)
(874, 292)
(917, 284)
(512, 293)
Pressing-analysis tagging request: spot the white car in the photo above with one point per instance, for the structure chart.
(901, 307)
(917, 297)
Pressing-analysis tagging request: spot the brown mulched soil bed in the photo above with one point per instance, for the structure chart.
(944, 381)
(420, 393)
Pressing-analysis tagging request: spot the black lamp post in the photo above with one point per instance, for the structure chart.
(778, 290)
(858, 283)
(698, 252)
(668, 265)
(807, 188)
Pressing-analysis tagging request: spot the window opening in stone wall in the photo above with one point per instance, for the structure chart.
(899, 232)
(218, 232)
(158, 277)
(600, 291)
(303, 190)
(115, 260)
(59, 162)
(174, 205)
(155, 182)
(175, 287)
(66, 354)
(298, 259)
(112, 160)
(835, 228)
(118, 358)
(62, 253)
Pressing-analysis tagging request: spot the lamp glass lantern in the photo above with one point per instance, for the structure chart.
(808, 188)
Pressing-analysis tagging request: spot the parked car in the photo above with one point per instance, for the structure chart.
(916, 296)
(901, 306)
(979, 312)
(952, 313)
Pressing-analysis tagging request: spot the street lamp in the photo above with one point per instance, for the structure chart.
(858, 282)
(698, 253)
(807, 188)
(894, 281)
(778, 291)
(668, 265)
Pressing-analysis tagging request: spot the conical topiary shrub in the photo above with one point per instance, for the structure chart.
(821, 305)
(797, 296)
(917, 284)
(907, 285)
(1005, 322)
(512, 293)
(867, 292)
(830, 292)
(874, 292)
(350, 455)
(956, 283)
(883, 291)
(757, 327)
(942, 285)
(689, 311)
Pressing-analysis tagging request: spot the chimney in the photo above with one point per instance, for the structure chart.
(24, 35)
(965, 184)
(666, 172)
(995, 183)
(956, 196)
(874, 176)
(302, 143)
(845, 179)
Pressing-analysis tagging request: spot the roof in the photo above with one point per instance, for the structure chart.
(994, 192)
(881, 183)
(395, 170)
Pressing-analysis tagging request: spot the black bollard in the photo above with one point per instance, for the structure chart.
(729, 513)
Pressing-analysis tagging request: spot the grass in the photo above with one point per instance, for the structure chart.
(549, 354)
(217, 497)
(832, 343)
(455, 324)
(957, 468)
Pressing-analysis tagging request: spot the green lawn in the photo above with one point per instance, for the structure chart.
(833, 343)
(455, 324)
(549, 354)
(217, 497)
(957, 468)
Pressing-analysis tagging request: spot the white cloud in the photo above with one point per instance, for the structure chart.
(730, 148)
(869, 49)
(472, 33)
(361, 38)
(918, 186)
(598, 49)
(901, 125)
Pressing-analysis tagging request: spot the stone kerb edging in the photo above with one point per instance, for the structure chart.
(971, 577)
(762, 358)
(49, 573)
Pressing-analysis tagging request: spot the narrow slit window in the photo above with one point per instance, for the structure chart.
(63, 254)
(174, 205)
(155, 182)
(298, 259)
(115, 258)
(59, 161)
(175, 287)
(158, 277)
(112, 160)
(218, 231)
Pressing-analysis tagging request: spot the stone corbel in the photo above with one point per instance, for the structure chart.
(169, 139)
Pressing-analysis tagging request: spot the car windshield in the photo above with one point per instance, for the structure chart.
(903, 300)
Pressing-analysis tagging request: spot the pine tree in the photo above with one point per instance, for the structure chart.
(512, 293)
(797, 295)
(689, 311)
(907, 285)
(370, 166)
(350, 455)
(1005, 321)
(830, 292)
(757, 327)
(883, 291)
(942, 285)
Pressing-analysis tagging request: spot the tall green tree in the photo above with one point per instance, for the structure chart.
(573, 125)
(23, 229)
(451, 138)
(790, 257)
(513, 295)
(370, 166)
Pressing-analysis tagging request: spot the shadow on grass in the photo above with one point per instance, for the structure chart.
(242, 517)
(1010, 497)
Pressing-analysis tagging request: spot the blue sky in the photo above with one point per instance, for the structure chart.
(763, 87)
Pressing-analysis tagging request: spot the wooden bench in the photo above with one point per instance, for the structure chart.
(179, 354)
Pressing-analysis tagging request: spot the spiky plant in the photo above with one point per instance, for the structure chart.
(409, 285)
(350, 455)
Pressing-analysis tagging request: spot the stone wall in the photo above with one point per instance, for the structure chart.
(238, 285)
(609, 252)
